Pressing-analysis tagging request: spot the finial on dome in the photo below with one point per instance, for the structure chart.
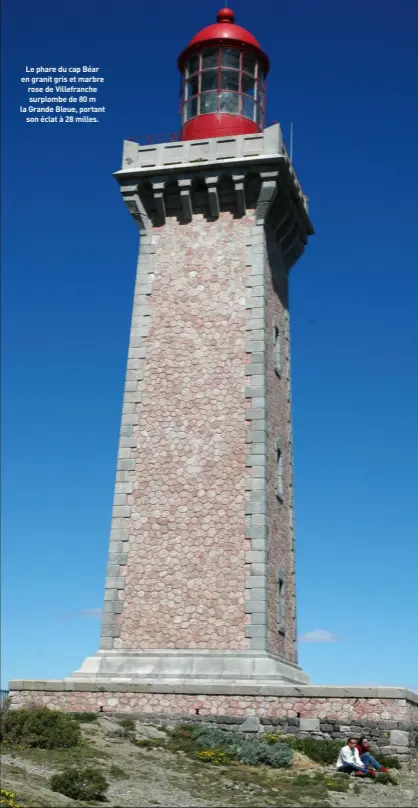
(225, 15)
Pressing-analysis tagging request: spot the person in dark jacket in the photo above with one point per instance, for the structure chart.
(363, 749)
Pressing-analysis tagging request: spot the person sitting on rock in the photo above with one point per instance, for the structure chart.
(363, 749)
(349, 760)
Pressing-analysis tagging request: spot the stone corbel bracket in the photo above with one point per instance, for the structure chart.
(185, 186)
(240, 193)
(132, 200)
(213, 196)
(158, 188)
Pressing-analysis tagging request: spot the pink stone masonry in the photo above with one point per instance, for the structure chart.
(343, 709)
(281, 545)
(185, 573)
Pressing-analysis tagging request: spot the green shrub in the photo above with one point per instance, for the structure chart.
(255, 753)
(249, 752)
(128, 724)
(84, 718)
(388, 761)
(252, 752)
(385, 778)
(209, 737)
(339, 782)
(279, 755)
(117, 773)
(80, 784)
(11, 726)
(316, 749)
(40, 727)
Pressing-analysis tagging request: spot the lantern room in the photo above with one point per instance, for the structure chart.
(223, 73)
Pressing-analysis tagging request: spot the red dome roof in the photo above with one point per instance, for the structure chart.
(224, 31)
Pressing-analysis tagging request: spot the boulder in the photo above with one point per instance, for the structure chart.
(398, 737)
(109, 726)
(147, 731)
(251, 724)
(309, 724)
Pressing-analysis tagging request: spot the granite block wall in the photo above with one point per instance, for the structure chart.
(193, 560)
(281, 559)
(184, 500)
(391, 724)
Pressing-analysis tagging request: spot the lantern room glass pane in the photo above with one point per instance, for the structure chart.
(209, 80)
(193, 86)
(248, 85)
(191, 109)
(210, 58)
(230, 57)
(208, 102)
(248, 63)
(259, 114)
(229, 103)
(230, 80)
(260, 92)
(248, 107)
(193, 65)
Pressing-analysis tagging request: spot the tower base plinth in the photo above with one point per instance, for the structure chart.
(191, 667)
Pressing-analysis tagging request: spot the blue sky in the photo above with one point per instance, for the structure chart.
(345, 73)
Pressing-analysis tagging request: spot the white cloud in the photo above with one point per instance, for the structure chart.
(94, 614)
(319, 635)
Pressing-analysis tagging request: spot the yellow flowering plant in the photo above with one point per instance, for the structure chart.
(7, 798)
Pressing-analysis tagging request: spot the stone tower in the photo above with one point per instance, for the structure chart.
(200, 584)
(199, 616)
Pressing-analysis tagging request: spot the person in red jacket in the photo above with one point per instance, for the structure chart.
(363, 749)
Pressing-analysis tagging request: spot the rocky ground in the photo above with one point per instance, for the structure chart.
(161, 775)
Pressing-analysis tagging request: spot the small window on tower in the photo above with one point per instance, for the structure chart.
(280, 602)
(277, 350)
(279, 472)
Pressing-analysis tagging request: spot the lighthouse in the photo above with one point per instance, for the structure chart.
(199, 611)
(200, 585)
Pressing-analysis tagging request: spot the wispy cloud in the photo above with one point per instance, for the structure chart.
(319, 635)
(94, 614)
